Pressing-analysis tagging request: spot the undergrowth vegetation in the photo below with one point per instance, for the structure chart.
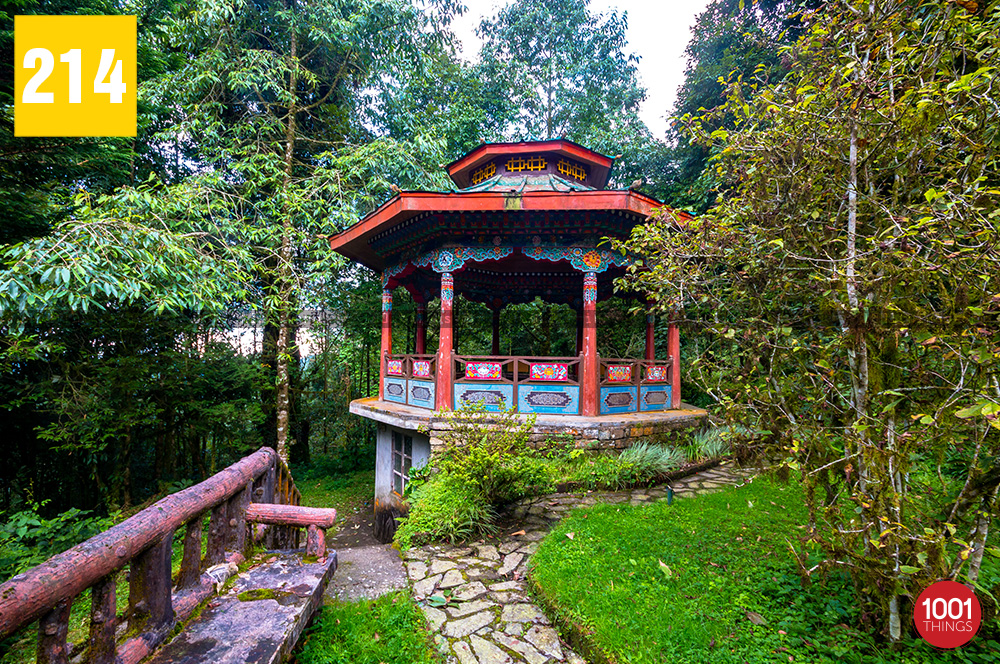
(713, 579)
(488, 461)
(388, 630)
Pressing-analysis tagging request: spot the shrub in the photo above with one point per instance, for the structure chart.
(27, 539)
(486, 461)
(445, 507)
(638, 464)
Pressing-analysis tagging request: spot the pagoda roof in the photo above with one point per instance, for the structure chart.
(597, 164)
(355, 242)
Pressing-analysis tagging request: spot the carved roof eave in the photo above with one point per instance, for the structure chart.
(353, 242)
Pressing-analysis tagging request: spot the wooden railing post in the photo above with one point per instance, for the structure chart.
(103, 621)
(149, 598)
(191, 561)
(53, 629)
(237, 511)
(218, 534)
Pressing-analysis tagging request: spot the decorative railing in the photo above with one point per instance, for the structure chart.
(629, 386)
(548, 385)
(256, 490)
(411, 380)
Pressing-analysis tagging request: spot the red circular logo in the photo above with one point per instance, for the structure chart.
(947, 614)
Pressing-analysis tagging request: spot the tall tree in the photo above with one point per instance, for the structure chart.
(570, 71)
(849, 280)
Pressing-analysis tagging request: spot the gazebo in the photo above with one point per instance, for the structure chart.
(526, 220)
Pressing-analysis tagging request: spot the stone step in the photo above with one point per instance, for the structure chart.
(259, 619)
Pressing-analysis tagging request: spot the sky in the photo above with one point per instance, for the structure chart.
(658, 32)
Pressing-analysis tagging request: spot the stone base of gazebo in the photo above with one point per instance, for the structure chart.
(408, 435)
(600, 432)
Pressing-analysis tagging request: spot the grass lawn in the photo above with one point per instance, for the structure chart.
(388, 630)
(710, 579)
(347, 491)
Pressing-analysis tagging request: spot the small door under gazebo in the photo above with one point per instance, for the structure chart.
(527, 220)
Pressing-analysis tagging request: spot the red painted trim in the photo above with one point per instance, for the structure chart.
(353, 242)
(589, 383)
(386, 347)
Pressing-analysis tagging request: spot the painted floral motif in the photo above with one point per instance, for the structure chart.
(447, 287)
(391, 272)
(656, 374)
(387, 300)
(620, 373)
(394, 367)
(452, 260)
(590, 287)
(482, 370)
(583, 259)
(549, 372)
(421, 369)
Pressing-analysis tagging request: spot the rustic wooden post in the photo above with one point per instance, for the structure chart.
(421, 341)
(53, 629)
(674, 348)
(446, 365)
(191, 561)
(102, 620)
(149, 600)
(589, 384)
(218, 534)
(236, 508)
(316, 542)
(386, 339)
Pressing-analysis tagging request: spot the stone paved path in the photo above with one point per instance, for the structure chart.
(490, 618)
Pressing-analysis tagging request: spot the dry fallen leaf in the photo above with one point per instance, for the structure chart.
(570, 535)
(520, 532)
(756, 618)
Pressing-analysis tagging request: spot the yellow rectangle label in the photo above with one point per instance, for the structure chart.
(74, 75)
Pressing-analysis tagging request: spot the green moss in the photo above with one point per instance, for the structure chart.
(258, 594)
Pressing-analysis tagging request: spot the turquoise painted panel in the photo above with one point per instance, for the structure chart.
(494, 396)
(394, 390)
(421, 394)
(556, 399)
(619, 399)
(654, 397)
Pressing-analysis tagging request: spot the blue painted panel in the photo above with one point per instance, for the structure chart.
(558, 399)
(394, 390)
(654, 397)
(421, 394)
(619, 399)
(494, 396)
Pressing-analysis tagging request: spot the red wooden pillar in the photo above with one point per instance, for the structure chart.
(650, 337)
(421, 329)
(674, 348)
(589, 383)
(386, 339)
(445, 364)
(496, 331)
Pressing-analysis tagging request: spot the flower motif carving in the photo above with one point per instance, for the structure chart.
(581, 258)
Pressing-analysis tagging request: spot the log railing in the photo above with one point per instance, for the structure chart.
(257, 489)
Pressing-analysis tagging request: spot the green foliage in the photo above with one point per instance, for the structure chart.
(636, 465)
(845, 285)
(28, 539)
(486, 462)
(388, 630)
(490, 453)
(445, 508)
(723, 565)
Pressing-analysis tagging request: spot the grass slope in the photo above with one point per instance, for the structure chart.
(708, 579)
(388, 630)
